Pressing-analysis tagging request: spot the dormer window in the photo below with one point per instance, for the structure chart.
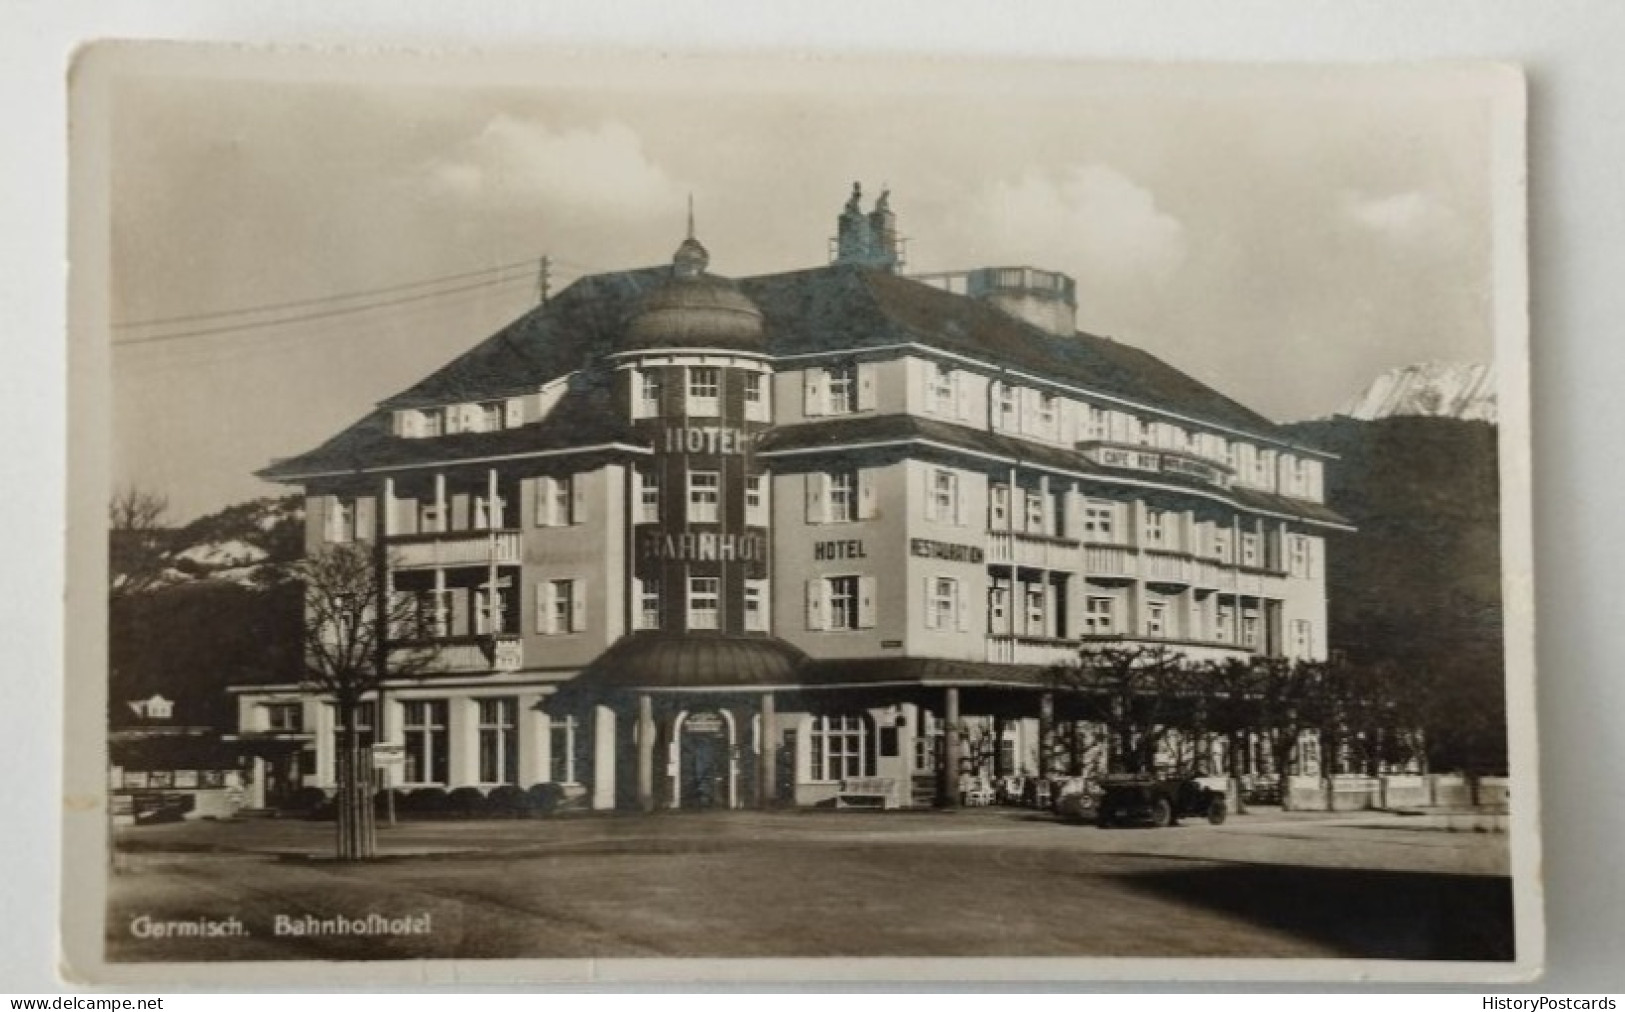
(841, 389)
(1009, 407)
(1047, 413)
(942, 390)
(433, 421)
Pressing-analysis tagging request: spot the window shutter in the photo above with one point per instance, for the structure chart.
(544, 500)
(544, 608)
(866, 493)
(867, 393)
(960, 501)
(866, 602)
(815, 604)
(817, 497)
(365, 518)
(812, 389)
(930, 605)
(578, 499)
(961, 607)
(964, 396)
(515, 412)
(578, 605)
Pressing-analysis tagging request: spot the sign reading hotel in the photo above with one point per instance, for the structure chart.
(718, 440)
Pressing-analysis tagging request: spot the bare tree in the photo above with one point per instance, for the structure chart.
(1140, 692)
(352, 622)
(138, 539)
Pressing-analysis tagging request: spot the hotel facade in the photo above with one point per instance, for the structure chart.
(676, 540)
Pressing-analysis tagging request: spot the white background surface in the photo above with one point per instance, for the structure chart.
(1570, 48)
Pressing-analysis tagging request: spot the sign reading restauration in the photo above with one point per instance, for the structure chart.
(926, 548)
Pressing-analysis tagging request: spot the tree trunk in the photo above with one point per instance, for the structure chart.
(357, 829)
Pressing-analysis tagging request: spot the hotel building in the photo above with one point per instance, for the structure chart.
(681, 540)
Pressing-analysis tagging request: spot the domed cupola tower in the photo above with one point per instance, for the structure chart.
(696, 382)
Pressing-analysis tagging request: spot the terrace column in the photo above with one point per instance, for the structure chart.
(603, 758)
(948, 776)
(1046, 734)
(646, 753)
(767, 753)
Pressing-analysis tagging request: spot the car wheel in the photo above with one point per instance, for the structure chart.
(1104, 821)
(1217, 811)
(1162, 813)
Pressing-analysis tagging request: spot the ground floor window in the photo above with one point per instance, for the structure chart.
(428, 752)
(840, 748)
(499, 741)
(563, 734)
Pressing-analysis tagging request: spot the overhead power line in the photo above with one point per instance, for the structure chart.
(321, 315)
(322, 299)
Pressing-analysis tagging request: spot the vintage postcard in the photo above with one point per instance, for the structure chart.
(558, 517)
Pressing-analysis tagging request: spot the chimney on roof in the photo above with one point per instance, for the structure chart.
(1046, 299)
(868, 240)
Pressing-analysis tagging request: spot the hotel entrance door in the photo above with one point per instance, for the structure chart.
(703, 751)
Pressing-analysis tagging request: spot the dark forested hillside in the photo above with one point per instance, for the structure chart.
(1418, 586)
(219, 610)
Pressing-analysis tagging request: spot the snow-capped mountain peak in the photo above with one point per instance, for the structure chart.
(1429, 389)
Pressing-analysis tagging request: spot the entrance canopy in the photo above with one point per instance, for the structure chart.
(693, 661)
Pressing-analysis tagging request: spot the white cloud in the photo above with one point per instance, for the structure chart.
(516, 162)
(1399, 214)
(1090, 220)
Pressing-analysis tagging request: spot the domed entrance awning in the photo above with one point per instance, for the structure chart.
(693, 661)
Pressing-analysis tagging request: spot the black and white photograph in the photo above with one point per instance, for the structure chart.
(580, 514)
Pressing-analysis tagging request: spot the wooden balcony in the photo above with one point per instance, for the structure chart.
(1103, 560)
(1036, 551)
(468, 654)
(455, 548)
(1038, 650)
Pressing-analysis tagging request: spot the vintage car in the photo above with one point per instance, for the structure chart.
(1136, 799)
(1077, 800)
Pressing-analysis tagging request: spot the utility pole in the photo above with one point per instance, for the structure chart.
(544, 279)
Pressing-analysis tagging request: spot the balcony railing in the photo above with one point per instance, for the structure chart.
(1194, 650)
(456, 548)
(1039, 551)
(1030, 650)
(465, 654)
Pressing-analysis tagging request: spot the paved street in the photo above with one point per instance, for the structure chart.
(996, 882)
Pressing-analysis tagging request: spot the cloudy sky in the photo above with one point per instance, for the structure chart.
(1283, 236)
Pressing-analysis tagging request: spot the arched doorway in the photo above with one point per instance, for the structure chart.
(705, 744)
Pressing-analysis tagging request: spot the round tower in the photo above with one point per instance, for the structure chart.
(697, 383)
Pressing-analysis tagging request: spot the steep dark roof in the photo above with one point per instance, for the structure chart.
(833, 308)
(585, 416)
(806, 312)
